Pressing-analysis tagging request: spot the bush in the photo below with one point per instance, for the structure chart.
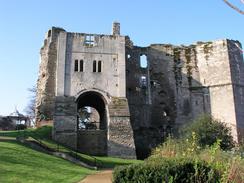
(208, 130)
(174, 148)
(167, 170)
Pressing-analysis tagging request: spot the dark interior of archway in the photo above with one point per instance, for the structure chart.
(92, 99)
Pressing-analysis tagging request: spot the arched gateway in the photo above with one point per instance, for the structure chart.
(92, 123)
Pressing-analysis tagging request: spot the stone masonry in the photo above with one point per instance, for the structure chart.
(139, 101)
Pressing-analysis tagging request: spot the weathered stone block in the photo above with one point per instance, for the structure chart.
(65, 123)
(67, 139)
(65, 106)
(121, 139)
(92, 142)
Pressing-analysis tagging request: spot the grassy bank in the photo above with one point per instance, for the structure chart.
(43, 135)
(19, 163)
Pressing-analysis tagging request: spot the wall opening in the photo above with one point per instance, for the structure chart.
(128, 56)
(49, 33)
(76, 66)
(92, 102)
(81, 66)
(89, 40)
(88, 118)
(143, 61)
(92, 124)
(143, 82)
(99, 66)
(94, 66)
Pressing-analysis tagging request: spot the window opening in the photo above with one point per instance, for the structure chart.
(94, 66)
(99, 66)
(81, 66)
(90, 40)
(49, 33)
(76, 65)
(143, 81)
(143, 61)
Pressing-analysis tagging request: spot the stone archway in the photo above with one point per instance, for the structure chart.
(92, 135)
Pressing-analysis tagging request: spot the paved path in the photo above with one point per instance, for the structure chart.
(101, 177)
(7, 139)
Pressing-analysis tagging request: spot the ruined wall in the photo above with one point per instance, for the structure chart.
(176, 85)
(182, 83)
(217, 72)
(152, 102)
(120, 134)
(237, 76)
(46, 78)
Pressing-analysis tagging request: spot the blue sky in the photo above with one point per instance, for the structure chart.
(23, 25)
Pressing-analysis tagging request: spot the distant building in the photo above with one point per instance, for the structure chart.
(13, 119)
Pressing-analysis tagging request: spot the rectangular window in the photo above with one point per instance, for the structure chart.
(143, 82)
(89, 40)
(81, 66)
(76, 65)
(94, 66)
(99, 66)
(143, 61)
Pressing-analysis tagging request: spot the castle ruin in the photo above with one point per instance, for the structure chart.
(140, 94)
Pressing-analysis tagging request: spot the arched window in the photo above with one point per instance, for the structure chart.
(143, 61)
(94, 66)
(99, 66)
(49, 33)
(76, 65)
(81, 66)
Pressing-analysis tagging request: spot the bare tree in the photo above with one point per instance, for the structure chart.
(234, 7)
(30, 108)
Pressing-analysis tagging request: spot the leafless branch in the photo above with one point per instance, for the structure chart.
(234, 7)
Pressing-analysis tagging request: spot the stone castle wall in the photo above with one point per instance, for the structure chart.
(47, 77)
(143, 103)
(182, 83)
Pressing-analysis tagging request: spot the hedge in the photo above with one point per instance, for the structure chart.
(167, 171)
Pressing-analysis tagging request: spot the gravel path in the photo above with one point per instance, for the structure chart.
(101, 177)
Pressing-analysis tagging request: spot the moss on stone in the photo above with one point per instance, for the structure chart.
(207, 49)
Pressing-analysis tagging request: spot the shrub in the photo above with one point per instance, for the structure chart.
(173, 147)
(229, 164)
(208, 130)
(167, 170)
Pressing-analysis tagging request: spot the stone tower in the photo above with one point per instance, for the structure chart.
(134, 96)
(82, 72)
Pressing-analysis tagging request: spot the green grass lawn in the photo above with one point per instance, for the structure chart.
(19, 164)
(43, 134)
(111, 162)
